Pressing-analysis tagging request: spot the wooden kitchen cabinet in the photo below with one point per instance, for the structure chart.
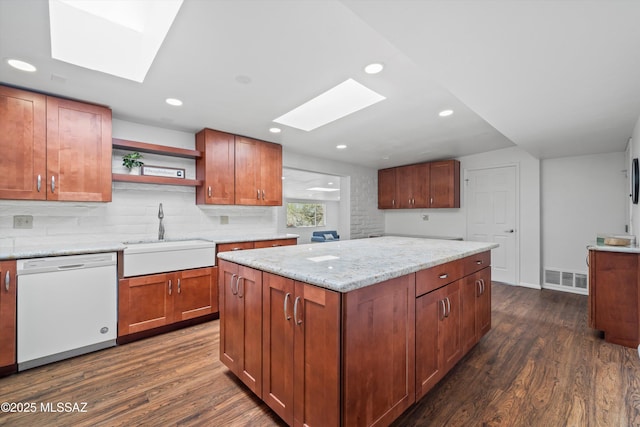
(53, 149)
(240, 290)
(301, 351)
(379, 357)
(7, 316)
(151, 301)
(216, 167)
(238, 170)
(421, 185)
(258, 172)
(239, 246)
(23, 143)
(438, 342)
(476, 307)
(78, 151)
(614, 296)
(445, 184)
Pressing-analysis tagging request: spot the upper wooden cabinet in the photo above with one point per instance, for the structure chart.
(53, 149)
(238, 170)
(258, 172)
(422, 185)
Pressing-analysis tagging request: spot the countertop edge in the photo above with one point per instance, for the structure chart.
(606, 248)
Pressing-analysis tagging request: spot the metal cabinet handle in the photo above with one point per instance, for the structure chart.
(179, 291)
(39, 184)
(478, 288)
(444, 310)
(209, 191)
(479, 262)
(483, 288)
(231, 284)
(236, 249)
(53, 184)
(286, 313)
(170, 286)
(586, 260)
(258, 194)
(7, 281)
(262, 194)
(448, 307)
(444, 276)
(240, 295)
(295, 311)
(393, 202)
(431, 201)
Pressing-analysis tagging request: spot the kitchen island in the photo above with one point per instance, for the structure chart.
(351, 332)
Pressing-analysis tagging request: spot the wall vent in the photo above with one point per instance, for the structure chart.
(560, 280)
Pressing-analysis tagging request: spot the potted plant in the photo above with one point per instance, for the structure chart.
(132, 162)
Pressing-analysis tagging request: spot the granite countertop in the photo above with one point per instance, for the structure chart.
(347, 265)
(608, 248)
(79, 248)
(59, 249)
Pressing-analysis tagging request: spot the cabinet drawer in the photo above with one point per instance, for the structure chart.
(438, 276)
(476, 262)
(275, 243)
(227, 247)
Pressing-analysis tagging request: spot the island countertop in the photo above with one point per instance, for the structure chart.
(347, 265)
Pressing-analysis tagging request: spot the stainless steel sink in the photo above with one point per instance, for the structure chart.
(163, 256)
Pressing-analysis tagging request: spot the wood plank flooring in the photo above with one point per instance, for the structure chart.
(540, 365)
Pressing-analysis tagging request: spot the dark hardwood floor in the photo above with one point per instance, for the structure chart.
(540, 365)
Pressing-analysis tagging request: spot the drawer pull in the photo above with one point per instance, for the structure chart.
(479, 262)
(443, 276)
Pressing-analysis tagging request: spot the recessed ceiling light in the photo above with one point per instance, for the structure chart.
(341, 147)
(339, 101)
(21, 65)
(275, 130)
(445, 113)
(374, 68)
(173, 101)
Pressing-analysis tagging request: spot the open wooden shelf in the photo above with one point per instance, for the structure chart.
(145, 179)
(155, 149)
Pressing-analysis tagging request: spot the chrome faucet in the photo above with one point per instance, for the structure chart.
(161, 228)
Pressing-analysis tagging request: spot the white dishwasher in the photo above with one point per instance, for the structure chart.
(66, 306)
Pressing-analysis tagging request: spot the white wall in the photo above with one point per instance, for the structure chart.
(452, 222)
(132, 215)
(635, 152)
(581, 196)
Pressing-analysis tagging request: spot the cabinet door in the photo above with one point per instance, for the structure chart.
(247, 172)
(470, 292)
(145, 302)
(439, 348)
(23, 132)
(445, 184)
(616, 296)
(483, 305)
(270, 174)
(277, 356)
(240, 290)
(78, 151)
(7, 313)
(216, 168)
(316, 356)
(387, 188)
(421, 186)
(196, 293)
(412, 186)
(378, 336)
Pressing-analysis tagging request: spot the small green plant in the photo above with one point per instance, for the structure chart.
(132, 160)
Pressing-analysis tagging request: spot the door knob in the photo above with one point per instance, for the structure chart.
(509, 231)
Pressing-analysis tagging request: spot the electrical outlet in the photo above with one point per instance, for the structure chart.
(425, 217)
(224, 219)
(23, 221)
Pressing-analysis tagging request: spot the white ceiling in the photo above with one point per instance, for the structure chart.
(556, 78)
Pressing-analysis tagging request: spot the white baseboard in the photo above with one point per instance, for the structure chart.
(529, 285)
(578, 291)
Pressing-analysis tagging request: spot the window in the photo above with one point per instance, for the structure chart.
(305, 214)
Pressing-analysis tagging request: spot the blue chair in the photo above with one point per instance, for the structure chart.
(325, 236)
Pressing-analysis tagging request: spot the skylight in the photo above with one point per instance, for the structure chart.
(120, 38)
(339, 101)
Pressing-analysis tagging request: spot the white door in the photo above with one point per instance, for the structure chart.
(491, 199)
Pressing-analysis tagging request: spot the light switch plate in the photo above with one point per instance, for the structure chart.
(23, 221)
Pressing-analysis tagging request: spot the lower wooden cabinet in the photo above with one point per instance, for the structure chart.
(476, 307)
(614, 296)
(301, 351)
(7, 313)
(438, 342)
(240, 291)
(147, 302)
(258, 244)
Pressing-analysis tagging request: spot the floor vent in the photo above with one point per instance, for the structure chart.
(565, 280)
